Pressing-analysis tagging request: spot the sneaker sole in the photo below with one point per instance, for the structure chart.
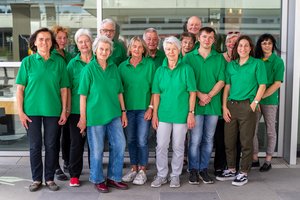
(194, 183)
(206, 182)
(174, 186)
(139, 183)
(239, 183)
(74, 185)
(157, 186)
(225, 179)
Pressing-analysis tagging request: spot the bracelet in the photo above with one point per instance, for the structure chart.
(150, 106)
(124, 111)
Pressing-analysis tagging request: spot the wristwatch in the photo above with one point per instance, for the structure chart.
(255, 101)
(191, 111)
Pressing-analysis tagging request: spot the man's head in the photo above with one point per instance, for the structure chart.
(108, 28)
(206, 37)
(194, 25)
(151, 38)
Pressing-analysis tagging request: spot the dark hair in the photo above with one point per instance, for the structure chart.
(208, 30)
(32, 39)
(264, 37)
(235, 54)
(188, 34)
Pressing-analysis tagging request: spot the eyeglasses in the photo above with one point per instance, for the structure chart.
(233, 32)
(108, 30)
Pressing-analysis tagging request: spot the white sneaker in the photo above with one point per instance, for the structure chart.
(240, 180)
(140, 178)
(129, 176)
(174, 182)
(158, 181)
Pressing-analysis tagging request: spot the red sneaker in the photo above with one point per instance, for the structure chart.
(74, 182)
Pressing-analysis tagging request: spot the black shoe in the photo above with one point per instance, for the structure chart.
(205, 177)
(218, 172)
(60, 175)
(194, 177)
(266, 167)
(255, 164)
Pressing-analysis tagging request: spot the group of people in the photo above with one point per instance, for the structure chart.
(187, 89)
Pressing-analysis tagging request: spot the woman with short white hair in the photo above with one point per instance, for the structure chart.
(174, 95)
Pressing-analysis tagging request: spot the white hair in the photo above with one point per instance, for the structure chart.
(108, 21)
(81, 32)
(150, 30)
(172, 40)
(103, 39)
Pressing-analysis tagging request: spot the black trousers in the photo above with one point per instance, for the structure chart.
(76, 147)
(36, 137)
(220, 162)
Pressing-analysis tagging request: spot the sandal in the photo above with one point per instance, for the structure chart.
(35, 186)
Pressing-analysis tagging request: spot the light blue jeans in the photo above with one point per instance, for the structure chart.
(116, 138)
(201, 141)
(137, 133)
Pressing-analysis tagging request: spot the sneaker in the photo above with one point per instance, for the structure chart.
(174, 182)
(266, 167)
(194, 177)
(60, 175)
(227, 175)
(218, 172)
(255, 164)
(74, 182)
(240, 180)
(129, 176)
(205, 177)
(140, 178)
(158, 181)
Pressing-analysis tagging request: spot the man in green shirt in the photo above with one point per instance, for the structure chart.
(193, 26)
(108, 28)
(151, 38)
(209, 68)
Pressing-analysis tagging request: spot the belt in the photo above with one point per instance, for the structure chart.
(238, 101)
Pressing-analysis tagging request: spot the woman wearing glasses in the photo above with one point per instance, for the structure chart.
(265, 50)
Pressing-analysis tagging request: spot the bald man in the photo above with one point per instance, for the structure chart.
(194, 25)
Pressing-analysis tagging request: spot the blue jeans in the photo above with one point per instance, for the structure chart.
(201, 141)
(116, 139)
(35, 137)
(137, 133)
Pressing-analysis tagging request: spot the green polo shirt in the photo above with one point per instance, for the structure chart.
(43, 81)
(245, 79)
(74, 68)
(275, 71)
(68, 57)
(174, 87)
(208, 72)
(137, 83)
(119, 53)
(158, 58)
(101, 87)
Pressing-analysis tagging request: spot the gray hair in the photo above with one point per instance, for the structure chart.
(103, 39)
(172, 40)
(107, 21)
(150, 30)
(81, 32)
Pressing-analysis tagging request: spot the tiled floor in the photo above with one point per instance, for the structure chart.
(282, 183)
